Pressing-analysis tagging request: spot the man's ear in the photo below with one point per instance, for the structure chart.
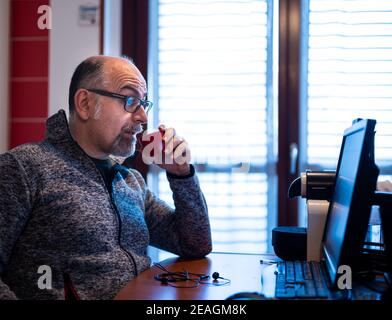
(83, 104)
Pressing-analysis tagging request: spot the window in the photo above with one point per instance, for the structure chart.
(347, 74)
(211, 77)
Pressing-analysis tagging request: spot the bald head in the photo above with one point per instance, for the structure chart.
(95, 72)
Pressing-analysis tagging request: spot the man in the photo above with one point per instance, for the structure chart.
(73, 221)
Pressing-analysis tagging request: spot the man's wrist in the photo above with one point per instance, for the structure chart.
(187, 174)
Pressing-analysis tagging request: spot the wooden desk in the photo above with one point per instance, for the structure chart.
(243, 270)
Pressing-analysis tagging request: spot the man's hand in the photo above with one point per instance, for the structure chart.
(385, 186)
(176, 152)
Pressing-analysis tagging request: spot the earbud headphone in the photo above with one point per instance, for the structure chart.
(216, 276)
(169, 278)
(190, 280)
(164, 278)
(216, 282)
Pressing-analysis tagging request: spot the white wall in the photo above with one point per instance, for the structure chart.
(70, 43)
(4, 73)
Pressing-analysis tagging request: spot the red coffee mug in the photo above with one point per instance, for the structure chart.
(155, 142)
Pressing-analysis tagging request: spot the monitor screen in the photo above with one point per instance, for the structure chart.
(350, 206)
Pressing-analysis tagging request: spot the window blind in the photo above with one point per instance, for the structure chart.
(213, 83)
(349, 75)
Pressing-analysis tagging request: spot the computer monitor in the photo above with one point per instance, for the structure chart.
(350, 206)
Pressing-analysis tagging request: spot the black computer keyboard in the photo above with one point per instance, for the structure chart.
(300, 280)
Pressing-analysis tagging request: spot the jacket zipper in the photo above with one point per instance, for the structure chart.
(130, 257)
(118, 218)
(114, 207)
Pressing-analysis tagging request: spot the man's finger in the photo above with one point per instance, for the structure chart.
(182, 153)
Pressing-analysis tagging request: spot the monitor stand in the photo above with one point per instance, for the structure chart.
(384, 200)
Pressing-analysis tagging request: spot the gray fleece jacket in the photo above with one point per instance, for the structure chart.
(55, 210)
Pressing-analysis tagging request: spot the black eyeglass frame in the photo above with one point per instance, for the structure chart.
(147, 105)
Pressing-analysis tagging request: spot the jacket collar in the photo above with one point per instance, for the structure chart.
(57, 129)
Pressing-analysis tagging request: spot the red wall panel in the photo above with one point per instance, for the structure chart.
(29, 99)
(26, 132)
(29, 58)
(24, 17)
(29, 52)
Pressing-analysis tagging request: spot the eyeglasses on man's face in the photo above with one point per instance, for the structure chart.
(131, 104)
